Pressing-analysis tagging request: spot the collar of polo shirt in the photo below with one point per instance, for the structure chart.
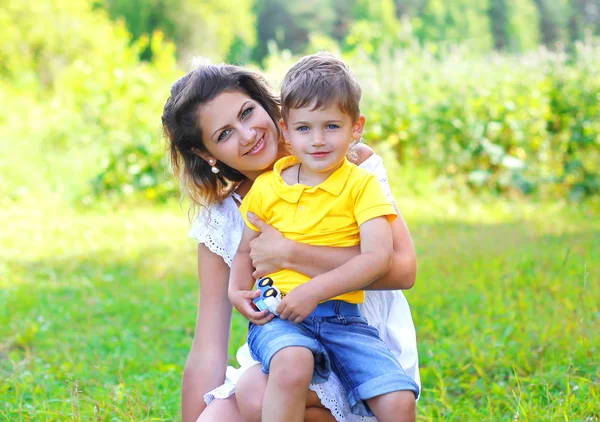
(333, 185)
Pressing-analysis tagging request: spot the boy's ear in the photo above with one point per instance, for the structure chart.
(284, 130)
(358, 127)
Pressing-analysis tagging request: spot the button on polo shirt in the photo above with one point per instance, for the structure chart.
(328, 214)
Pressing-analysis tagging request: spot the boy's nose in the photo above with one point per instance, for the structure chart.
(318, 139)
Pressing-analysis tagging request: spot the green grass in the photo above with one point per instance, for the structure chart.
(97, 310)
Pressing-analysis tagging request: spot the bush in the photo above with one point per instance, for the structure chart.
(504, 124)
(575, 122)
(81, 96)
(501, 123)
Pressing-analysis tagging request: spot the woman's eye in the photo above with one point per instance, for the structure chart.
(223, 134)
(247, 112)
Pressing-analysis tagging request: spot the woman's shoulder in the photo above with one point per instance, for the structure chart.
(213, 216)
(219, 227)
(363, 153)
(368, 159)
(373, 163)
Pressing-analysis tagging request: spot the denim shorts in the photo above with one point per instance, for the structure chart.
(344, 343)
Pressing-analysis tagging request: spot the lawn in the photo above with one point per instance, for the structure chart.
(97, 310)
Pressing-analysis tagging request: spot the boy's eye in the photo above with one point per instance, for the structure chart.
(247, 112)
(302, 128)
(224, 134)
(332, 126)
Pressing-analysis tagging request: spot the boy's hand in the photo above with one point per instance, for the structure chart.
(298, 303)
(242, 301)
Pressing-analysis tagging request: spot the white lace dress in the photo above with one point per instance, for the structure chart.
(388, 311)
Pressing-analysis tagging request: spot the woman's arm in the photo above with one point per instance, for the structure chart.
(403, 269)
(271, 252)
(207, 361)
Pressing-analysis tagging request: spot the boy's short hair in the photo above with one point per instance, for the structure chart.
(319, 80)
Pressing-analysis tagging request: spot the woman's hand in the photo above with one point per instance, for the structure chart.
(242, 301)
(269, 251)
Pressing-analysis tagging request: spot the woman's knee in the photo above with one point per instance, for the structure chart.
(250, 391)
(318, 414)
(221, 410)
(292, 367)
(313, 400)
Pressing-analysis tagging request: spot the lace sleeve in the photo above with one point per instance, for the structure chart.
(219, 228)
(374, 164)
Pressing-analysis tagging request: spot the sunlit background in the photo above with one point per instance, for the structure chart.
(487, 114)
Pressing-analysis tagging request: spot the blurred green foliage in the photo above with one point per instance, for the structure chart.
(75, 92)
(501, 123)
(210, 28)
(241, 30)
(82, 97)
(510, 25)
(80, 100)
(504, 124)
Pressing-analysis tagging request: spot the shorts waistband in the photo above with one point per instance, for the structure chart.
(336, 307)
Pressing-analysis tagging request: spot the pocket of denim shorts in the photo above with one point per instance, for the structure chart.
(251, 332)
(356, 320)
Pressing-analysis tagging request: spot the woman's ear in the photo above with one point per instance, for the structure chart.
(205, 156)
(358, 127)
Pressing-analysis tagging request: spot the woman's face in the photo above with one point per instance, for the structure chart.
(239, 132)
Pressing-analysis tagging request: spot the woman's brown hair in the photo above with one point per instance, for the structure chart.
(181, 127)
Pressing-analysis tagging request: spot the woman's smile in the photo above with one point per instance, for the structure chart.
(258, 147)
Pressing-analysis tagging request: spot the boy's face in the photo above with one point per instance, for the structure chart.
(320, 138)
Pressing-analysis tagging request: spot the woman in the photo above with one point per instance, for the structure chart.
(221, 123)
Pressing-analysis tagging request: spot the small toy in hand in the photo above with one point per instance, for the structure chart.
(270, 296)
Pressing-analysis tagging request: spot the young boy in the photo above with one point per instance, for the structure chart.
(318, 197)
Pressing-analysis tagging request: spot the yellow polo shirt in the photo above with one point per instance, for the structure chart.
(328, 214)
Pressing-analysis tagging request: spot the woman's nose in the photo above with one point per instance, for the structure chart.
(248, 135)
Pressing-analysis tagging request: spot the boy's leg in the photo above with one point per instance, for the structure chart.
(365, 366)
(397, 406)
(287, 387)
(291, 356)
(250, 391)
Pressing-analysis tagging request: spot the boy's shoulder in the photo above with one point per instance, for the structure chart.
(358, 181)
(360, 174)
(260, 185)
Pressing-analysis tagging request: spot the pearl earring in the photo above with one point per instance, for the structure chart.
(214, 169)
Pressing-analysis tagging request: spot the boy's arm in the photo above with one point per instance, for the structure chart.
(314, 260)
(361, 270)
(240, 281)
